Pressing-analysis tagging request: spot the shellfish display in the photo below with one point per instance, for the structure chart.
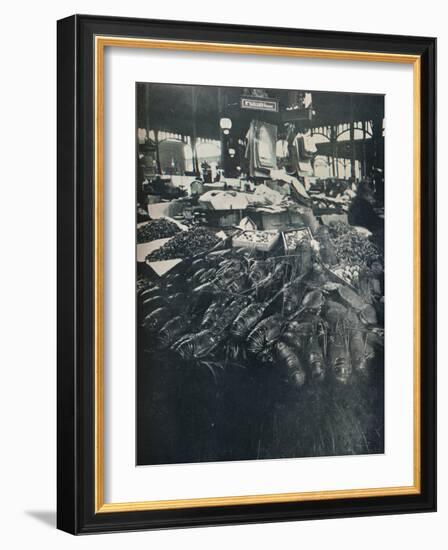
(233, 335)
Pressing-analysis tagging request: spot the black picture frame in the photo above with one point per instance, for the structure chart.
(76, 262)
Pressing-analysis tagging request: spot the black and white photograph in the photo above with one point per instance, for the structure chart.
(260, 273)
(227, 233)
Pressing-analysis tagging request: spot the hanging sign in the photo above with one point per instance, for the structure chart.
(259, 104)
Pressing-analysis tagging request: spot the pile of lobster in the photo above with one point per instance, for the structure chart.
(241, 306)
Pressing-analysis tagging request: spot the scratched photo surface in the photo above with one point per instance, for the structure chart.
(259, 273)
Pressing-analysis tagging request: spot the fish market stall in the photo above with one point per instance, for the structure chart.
(256, 298)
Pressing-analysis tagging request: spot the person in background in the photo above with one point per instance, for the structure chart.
(206, 172)
(361, 211)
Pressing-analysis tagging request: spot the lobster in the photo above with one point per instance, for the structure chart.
(338, 358)
(247, 319)
(312, 303)
(172, 329)
(335, 314)
(197, 345)
(292, 294)
(350, 298)
(196, 278)
(207, 275)
(263, 336)
(361, 350)
(259, 271)
(229, 314)
(290, 362)
(315, 358)
(149, 293)
(368, 315)
(156, 319)
(213, 312)
(253, 313)
(150, 304)
(196, 265)
(297, 334)
(213, 281)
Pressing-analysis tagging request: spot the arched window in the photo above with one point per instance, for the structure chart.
(171, 156)
(209, 151)
(344, 132)
(322, 168)
(320, 135)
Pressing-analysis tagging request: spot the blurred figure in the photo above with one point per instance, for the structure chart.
(361, 211)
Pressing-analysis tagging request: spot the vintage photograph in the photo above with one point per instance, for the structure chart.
(259, 273)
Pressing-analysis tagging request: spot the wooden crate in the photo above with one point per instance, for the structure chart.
(239, 242)
(301, 230)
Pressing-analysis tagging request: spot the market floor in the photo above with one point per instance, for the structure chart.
(190, 413)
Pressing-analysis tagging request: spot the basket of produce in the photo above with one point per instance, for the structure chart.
(353, 247)
(144, 249)
(256, 239)
(291, 238)
(186, 244)
(154, 230)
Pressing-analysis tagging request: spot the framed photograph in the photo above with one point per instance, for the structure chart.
(246, 274)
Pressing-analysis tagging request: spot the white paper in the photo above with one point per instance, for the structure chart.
(124, 481)
(163, 266)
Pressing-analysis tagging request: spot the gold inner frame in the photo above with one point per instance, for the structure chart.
(101, 42)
